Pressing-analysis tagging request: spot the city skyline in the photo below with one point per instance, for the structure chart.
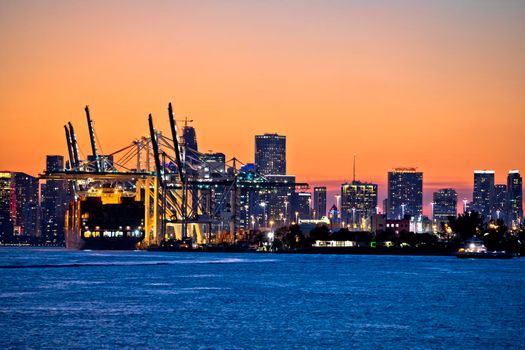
(399, 84)
(464, 191)
(266, 174)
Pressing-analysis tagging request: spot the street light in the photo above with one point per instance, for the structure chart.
(297, 217)
(263, 205)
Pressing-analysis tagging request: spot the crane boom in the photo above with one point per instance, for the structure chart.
(155, 147)
(74, 146)
(175, 142)
(69, 150)
(92, 139)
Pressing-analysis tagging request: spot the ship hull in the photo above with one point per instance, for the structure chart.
(76, 242)
(95, 225)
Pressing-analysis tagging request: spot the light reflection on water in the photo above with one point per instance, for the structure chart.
(257, 301)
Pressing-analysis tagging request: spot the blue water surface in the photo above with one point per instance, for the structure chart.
(58, 299)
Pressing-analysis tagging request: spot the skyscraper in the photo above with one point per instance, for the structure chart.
(301, 204)
(262, 205)
(190, 137)
(405, 193)
(279, 199)
(514, 198)
(270, 161)
(190, 141)
(7, 216)
(358, 204)
(445, 202)
(26, 195)
(213, 163)
(483, 195)
(18, 204)
(319, 208)
(270, 154)
(499, 210)
(54, 201)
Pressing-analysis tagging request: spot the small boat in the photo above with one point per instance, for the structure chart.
(475, 249)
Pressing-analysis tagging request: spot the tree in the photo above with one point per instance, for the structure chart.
(495, 237)
(466, 226)
(321, 233)
(293, 237)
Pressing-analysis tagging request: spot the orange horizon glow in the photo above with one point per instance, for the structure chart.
(438, 85)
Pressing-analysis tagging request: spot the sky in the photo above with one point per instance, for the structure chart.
(437, 85)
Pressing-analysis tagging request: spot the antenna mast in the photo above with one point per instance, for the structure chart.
(354, 169)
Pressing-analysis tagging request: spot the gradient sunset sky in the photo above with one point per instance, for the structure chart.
(439, 85)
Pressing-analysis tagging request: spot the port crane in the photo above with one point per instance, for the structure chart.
(184, 196)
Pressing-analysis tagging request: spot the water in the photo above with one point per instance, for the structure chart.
(105, 300)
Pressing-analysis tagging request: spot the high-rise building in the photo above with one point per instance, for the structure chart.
(26, 194)
(319, 208)
(445, 202)
(7, 213)
(213, 164)
(56, 163)
(54, 202)
(499, 210)
(190, 141)
(358, 204)
(405, 193)
(483, 195)
(18, 204)
(190, 138)
(279, 199)
(248, 199)
(301, 206)
(270, 154)
(514, 199)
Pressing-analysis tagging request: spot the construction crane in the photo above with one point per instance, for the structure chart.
(185, 121)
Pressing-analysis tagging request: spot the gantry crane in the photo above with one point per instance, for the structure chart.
(177, 196)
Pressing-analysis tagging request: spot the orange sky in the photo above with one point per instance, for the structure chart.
(435, 84)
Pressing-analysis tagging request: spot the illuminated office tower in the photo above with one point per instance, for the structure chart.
(212, 163)
(270, 154)
(54, 202)
(405, 193)
(301, 206)
(514, 199)
(6, 214)
(319, 207)
(18, 204)
(499, 210)
(358, 204)
(483, 195)
(445, 202)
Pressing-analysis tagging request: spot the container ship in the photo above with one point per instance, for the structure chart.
(107, 217)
